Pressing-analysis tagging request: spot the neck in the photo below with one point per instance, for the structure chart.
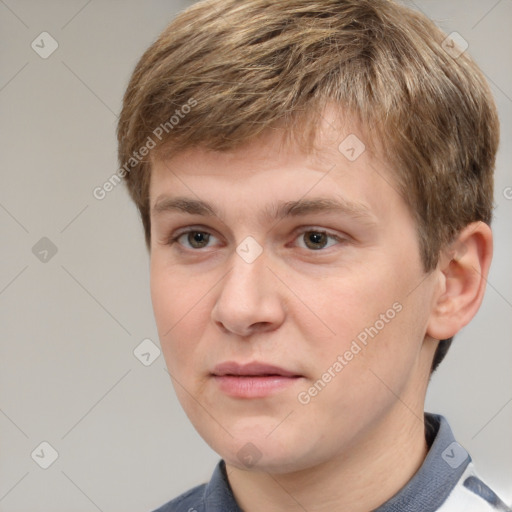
(359, 479)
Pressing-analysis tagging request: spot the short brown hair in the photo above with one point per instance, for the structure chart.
(253, 65)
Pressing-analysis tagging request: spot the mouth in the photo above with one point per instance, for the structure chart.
(252, 380)
(254, 369)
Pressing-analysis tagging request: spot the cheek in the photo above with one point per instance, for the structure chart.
(346, 305)
(369, 309)
(176, 309)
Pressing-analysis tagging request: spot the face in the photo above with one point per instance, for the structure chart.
(293, 307)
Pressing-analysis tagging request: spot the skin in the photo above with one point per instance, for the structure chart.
(361, 438)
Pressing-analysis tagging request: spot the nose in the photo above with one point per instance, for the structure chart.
(249, 301)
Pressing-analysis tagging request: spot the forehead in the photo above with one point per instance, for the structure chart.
(272, 174)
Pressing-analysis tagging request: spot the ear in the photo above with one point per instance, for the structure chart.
(463, 268)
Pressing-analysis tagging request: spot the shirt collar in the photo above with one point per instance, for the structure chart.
(426, 491)
(442, 468)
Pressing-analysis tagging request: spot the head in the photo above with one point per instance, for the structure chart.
(252, 106)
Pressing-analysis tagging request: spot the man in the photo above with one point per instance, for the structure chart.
(315, 181)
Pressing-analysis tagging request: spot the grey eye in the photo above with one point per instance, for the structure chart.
(197, 239)
(315, 239)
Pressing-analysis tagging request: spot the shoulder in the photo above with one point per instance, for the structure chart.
(472, 493)
(214, 496)
(190, 501)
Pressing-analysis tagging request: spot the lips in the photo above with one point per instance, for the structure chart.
(254, 369)
(252, 380)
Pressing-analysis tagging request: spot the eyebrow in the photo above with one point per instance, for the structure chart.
(274, 211)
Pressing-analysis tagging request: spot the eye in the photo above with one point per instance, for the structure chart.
(317, 239)
(314, 239)
(195, 238)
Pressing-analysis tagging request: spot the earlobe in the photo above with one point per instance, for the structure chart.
(463, 267)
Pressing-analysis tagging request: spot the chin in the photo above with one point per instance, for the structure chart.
(252, 449)
(270, 462)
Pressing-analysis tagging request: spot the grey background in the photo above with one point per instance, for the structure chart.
(69, 325)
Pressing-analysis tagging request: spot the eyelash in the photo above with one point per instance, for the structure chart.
(174, 239)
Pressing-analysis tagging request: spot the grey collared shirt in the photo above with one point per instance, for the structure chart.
(445, 482)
